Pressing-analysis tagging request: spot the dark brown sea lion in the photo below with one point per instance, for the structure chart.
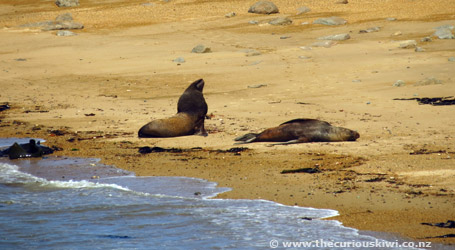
(300, 131)
(189, 120)
(26, 150)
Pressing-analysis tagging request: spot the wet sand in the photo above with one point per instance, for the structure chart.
(89, 94)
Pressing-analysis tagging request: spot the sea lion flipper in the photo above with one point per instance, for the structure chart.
(290, 142)
(247, 138)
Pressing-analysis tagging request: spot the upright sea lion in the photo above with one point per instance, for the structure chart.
(300, 131)
(189, 120)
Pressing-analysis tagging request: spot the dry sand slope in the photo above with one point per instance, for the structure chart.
(90, 93)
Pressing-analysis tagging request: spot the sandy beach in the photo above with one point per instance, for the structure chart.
(88, 95)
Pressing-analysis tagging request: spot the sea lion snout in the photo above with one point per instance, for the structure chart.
(199, 84)
(355, 136)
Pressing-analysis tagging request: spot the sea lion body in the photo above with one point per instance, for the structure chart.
(301, 131)
(189, 120)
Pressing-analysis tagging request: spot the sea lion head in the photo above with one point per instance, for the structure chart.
(344, 134)
(192, 100)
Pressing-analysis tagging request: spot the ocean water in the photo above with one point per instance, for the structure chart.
(73, 203)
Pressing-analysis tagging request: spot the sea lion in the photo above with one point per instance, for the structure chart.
(26, 150)
(189, 120)
(301, 131)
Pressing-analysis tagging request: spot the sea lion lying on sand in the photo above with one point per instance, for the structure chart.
(300, 131)
(26, 150)
(189, 120)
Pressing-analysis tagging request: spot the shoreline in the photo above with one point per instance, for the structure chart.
(359, 207)
(88, 94)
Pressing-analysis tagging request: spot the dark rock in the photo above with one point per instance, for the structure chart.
(263, 7)
(26, 150)
(4, 107)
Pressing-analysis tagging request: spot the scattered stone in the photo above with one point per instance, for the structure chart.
(338, 37)
(285, 37)
(303, 10)
(330, 21)
(148, 4)
(391, 19)
(325, 44)
(444, 33)
(341, 2)
(399, 83)
(428, 81)
(356, 80)
(252, 52)
(65, 33)
(370, 30)
(451, 59)
(231, 14)
(256, 86)
(305, 23)
(304, 57)
(419, 49)
(426, 39)
(398, 33)
(255, 63)
(306, 48)
(179, 60)
(447, 26)
(281, 21)
(67, 17)
(408, 44)
(63, 26)
(263, 7)
(253, 22)
(67, 3)
(20, 59)
(201, 49)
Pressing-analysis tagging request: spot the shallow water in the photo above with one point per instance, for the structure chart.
(71, 203)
